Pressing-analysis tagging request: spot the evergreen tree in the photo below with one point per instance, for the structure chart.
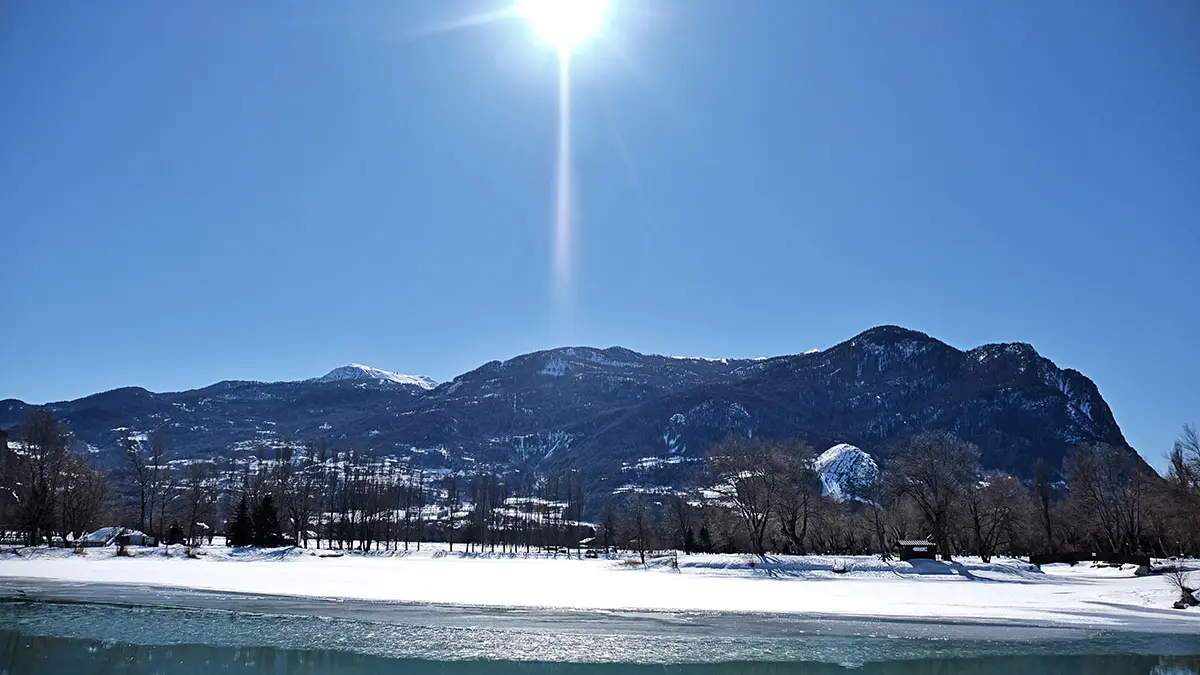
(174, 534)
(240, 527)
(266, 523)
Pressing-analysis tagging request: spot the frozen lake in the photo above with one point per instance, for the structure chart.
(55, 627)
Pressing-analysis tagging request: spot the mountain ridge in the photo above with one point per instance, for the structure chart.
(599, 410)
(357, 371)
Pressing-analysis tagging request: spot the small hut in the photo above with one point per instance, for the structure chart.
(117, 536)
(916, 549)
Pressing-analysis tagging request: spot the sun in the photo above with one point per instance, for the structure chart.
(564, 23)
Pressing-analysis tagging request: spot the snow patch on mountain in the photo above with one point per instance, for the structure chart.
(357, 371)
(555, 366)
(844, 471)
(709, 359)
(1078, 404)
(600, 359)
(724, 360)
(541, 446)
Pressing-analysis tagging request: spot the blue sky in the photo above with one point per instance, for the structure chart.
(195, 192)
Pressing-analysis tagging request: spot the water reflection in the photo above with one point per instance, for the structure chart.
(34, 655)
(144, 632)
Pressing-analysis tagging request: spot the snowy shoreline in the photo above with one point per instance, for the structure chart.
(1003, 593)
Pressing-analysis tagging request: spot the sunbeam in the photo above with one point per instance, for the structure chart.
(563, 24)
(563, 180)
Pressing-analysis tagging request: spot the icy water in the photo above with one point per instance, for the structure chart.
(61, 628)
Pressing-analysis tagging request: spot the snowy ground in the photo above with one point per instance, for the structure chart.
(1004, 591)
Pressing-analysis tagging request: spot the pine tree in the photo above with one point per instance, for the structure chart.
(240, 527)
(266, 523)
(174, 534)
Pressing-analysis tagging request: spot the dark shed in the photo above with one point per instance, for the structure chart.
(918, 549)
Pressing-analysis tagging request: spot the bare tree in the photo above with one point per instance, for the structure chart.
(1184, 462)
(8, 484)
(744, 476)
(608, 526)
(139, 475)
(1183, 493)
(327, 460)
(200, 493)
(299, 479)
(407, 491)
(453, 504)
(1108, 487)
(879, 498)
(573, 513)
(84, 493)
(638, 529)
(798, 490)
(480, 494)
(994, 506)
(420, 506)
(1042, 492)
(935, 469)
(1178, 579)
(158, 474)
(40, 471)
(1188, 446)
(682, 514)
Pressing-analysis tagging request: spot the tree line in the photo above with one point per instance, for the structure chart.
(758, 496)
(765, 496)
(45, 488)
(310, 495)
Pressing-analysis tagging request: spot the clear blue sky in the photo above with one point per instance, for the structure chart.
(192, 192)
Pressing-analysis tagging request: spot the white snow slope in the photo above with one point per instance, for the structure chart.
(999, 592)
(357, 371)
(845, 470)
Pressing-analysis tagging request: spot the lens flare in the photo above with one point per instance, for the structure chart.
(564, 23)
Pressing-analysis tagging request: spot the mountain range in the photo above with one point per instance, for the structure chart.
(626, 418)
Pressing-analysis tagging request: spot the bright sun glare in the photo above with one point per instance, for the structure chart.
(563, 23)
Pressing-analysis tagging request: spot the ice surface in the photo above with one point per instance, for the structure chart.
(1004, 591)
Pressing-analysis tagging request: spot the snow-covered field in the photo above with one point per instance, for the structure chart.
(1000, 592)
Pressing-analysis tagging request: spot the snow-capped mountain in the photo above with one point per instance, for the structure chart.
(357, 371)
(845, 471)
(619, 416)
